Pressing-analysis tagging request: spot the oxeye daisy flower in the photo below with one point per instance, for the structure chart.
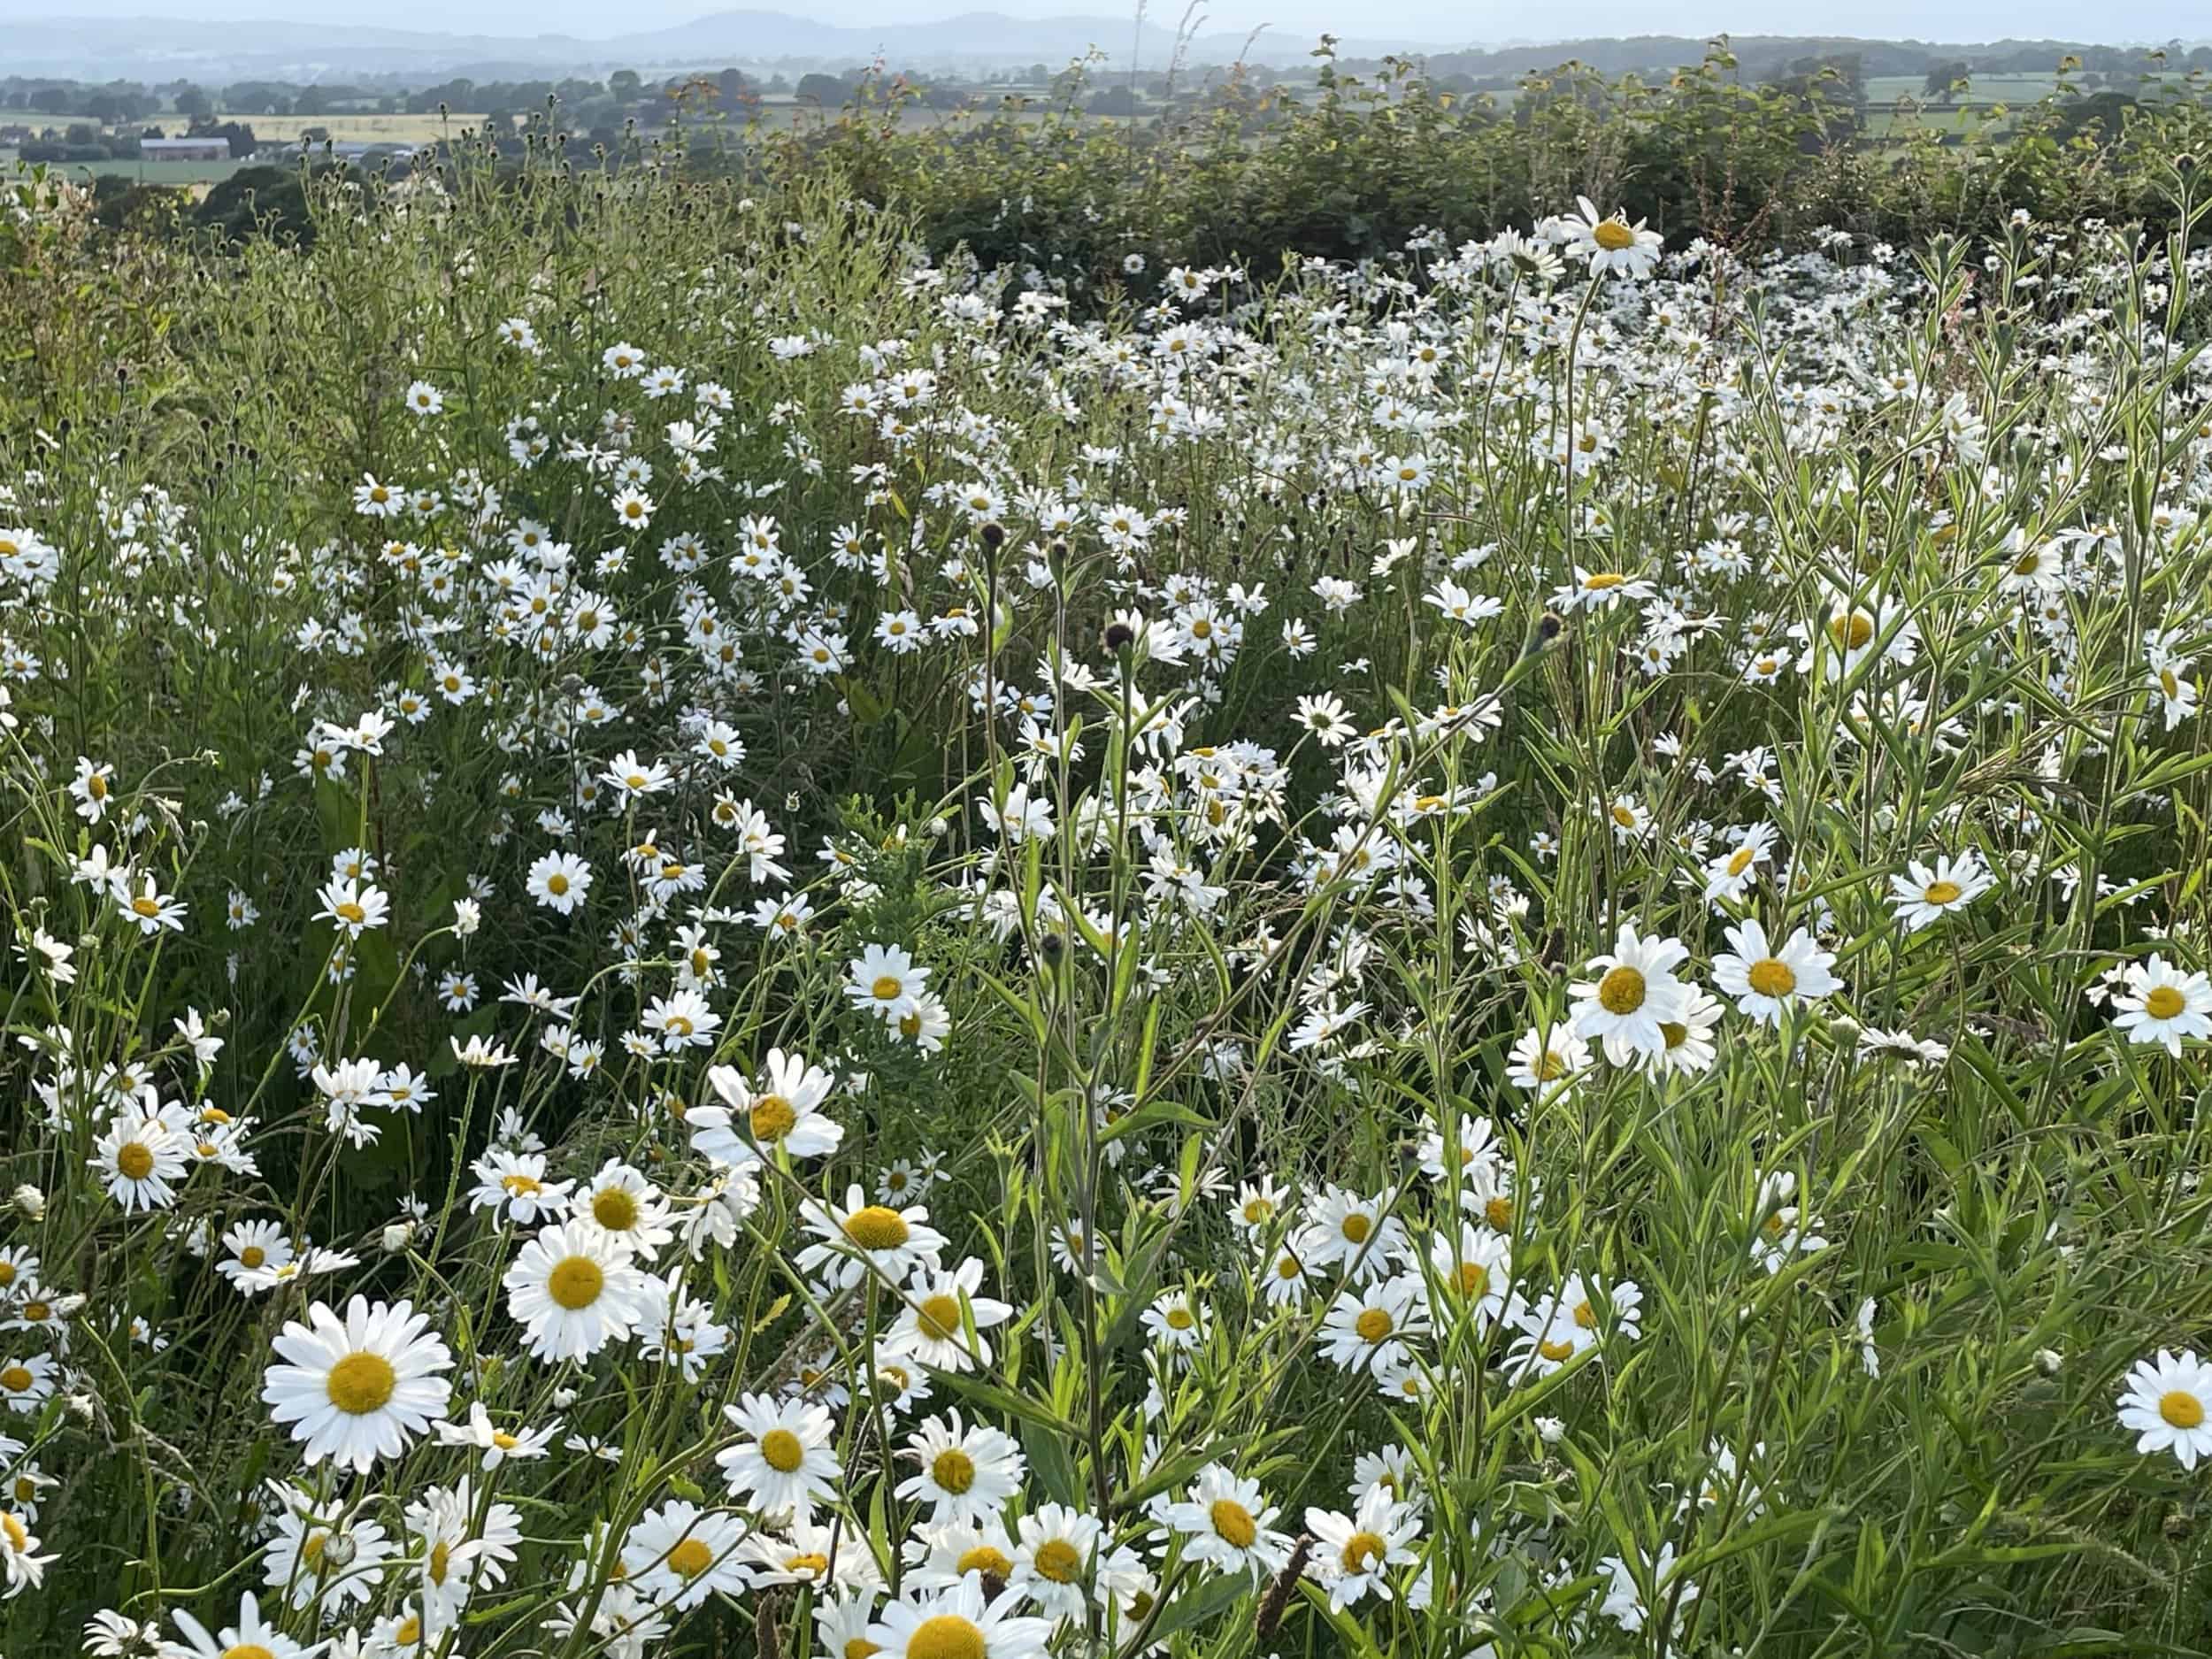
(352, 907)
(785, 1463)
(860, 1239)
(2163, 1004)
(1366, 1328)
(1354, 1233)
(1054, 1557)
(957, 1623)
(1227, 1522)
(1764, 981)
(560, 881)
(1353, 1555)
(1610, 242)
(27, 1384)
(967, 1474)
(2167, 1404)
(497, 1443)
(574, 1289)
(621, 1204)
(679, 1555)
(251, 1637)
(1545, 1062)
(784, 1111)
(358, 1389)
(934, 1324)
(1635, 993)
(1924, 894)
(137, 1159)
(884, 979)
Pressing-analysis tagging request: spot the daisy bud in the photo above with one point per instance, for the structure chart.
(2047, 1360)
(1551, 1431)
(81, 1407)
(564, 1398)
(468, 916)
(30, 1202)
(398, 1236)
(338, 1551)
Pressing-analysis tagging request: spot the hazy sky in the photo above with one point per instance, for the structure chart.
(1485, 22)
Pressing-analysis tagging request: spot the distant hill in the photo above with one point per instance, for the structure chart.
(158, 48)
(289, 50)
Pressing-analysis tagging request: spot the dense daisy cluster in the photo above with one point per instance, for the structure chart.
(1496, 953)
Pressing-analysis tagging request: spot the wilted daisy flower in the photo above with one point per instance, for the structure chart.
(358, 1389)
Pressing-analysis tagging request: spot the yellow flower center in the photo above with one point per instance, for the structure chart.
(1586, 1317)
(440, 1561)
(2164, 1002)
(1771, 976)
(1474, 1278)
(947, 1636)
(806, 1565)
(953, 1470)
(521, 1184)
(773, 1118)
(16, 1378)
(410, 1631)
(1234, 1522)
(2181, 1409)
(1621, 990)
(1741, 862)
(1942, 892)
(861, 1648)
(1362, 1549)
(615, 1210)
(1056, 1560)
(939, 1317)
(1180, 1318)
(1499, 1213)
(349, 911)
(247, 1650)
(1612, 234)
(1373, 1324)
(361, 1383)
(1555, 1352)
(886, 987)
(1287, 1267)
(134, 1159)
(1355, 1226)
(781, 1451)
(1852, 632)
(575, 1282)
(691, 1557)
(1599, 581)
(877, 1228)
(505, 1441)
(984, 1558)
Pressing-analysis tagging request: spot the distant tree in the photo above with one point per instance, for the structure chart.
(193, 101)
(826, 91)
(1942, 81)
(626, 86)
(311, 101)
(1116, 100)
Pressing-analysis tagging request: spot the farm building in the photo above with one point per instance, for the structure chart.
(184, 148)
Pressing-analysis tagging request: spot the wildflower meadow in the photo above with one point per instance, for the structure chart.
(726, 939)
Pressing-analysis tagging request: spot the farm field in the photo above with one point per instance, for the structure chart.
(735, 929)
